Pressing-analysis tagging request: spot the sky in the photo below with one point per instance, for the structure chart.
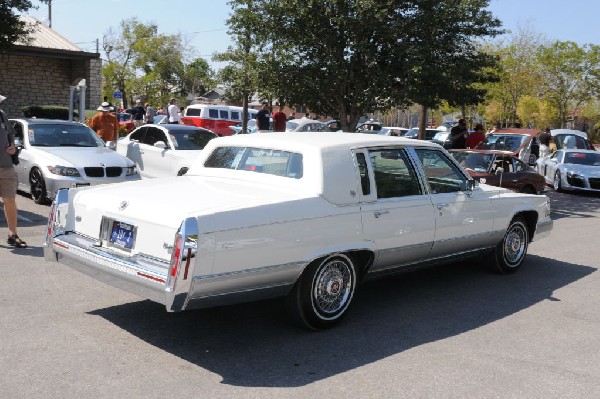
(203, 22)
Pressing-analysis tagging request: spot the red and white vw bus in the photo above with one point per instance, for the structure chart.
(216, 118)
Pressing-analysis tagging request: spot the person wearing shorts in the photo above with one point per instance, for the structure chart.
(8, 179)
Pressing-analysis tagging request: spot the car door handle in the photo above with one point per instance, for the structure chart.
(377, 214)
(441, 206)
(515, 180)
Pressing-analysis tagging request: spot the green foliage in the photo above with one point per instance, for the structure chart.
(12, 28)
(145, 65)
(47, 111)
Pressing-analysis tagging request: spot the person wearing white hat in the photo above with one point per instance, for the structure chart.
(104, 123)
(8, 179)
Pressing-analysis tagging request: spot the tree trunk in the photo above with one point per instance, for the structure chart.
(422, 121)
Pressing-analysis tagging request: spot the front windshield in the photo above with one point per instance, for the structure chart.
(56, 135)
(191, 140)
(503, 142)
(412, 133)
(570, 141)
(582, 158)
(124, 117)
(260, 160)
(475, 161)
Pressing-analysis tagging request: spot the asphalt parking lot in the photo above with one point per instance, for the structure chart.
(448, 332)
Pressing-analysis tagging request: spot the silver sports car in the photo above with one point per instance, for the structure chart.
(572, 170)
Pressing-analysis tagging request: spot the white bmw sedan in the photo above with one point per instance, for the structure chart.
(57, 154)
(165, 149)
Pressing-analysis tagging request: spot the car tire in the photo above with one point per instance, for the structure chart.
(37, 186)
(323, 293)
(557, 184)
(510, 252)
(528, 190)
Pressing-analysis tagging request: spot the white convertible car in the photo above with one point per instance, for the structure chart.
(303, 216)
(572, 170)
(160, 150)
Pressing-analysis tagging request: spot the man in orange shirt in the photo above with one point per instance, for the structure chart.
(105, 124)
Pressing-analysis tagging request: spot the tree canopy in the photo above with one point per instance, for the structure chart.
(12, 27)
(346, 58)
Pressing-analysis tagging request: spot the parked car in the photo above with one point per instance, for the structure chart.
(160, 119)
(305, 216)
(572, 169)
(126, 121)
(568, 139)
(393, 131)
(333, 125)
(499, 169)
(57, 154)
(368, 127)
(164, 150)
(306, 125)
(429, 133)
(442, 138)
(517, 142)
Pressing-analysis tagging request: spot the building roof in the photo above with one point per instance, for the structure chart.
(44, 37)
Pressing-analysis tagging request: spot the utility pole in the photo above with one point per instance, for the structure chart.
(50, 13)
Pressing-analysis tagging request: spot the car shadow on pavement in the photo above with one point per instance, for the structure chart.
(573, 204)
(255, 345)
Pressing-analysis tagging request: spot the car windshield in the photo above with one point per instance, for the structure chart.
(191, 140)
(56, 135)
(570, 141)
(582, 158)
(124, 117)
(261, 160)
(503, 142)
(440, 136)
(473, 160)
(412, 133)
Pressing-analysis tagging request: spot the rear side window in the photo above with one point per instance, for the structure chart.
(224, 114)
(235, 116)
(193, 111)
(394, 174)
(213, 113)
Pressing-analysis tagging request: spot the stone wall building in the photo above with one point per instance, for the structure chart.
(42, 71)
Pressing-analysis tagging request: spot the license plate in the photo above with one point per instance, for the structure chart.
(122, 234)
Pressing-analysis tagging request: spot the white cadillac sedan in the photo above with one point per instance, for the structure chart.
(164, 149)
(57, 154)
(303, 216)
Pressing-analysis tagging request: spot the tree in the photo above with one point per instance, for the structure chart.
(517, 74)
(347, 58)
(12, 28)
(570, 76)
(146, 64)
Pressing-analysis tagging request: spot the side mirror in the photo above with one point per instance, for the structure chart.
(111, 144)
(471, 184)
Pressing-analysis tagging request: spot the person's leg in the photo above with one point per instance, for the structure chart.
(10, 211)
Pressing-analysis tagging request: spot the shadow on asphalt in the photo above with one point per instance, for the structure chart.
(255, 345)
(573, 204)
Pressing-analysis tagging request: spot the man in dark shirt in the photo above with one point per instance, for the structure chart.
(138, 113)
(263, 116)
(458, 134)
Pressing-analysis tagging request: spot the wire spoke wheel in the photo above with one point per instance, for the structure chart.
(332, 288)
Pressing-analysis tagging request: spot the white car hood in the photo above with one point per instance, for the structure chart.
(83, 156)
(586, 170)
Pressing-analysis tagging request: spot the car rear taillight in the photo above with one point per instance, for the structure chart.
(176, 256)
(50, 226)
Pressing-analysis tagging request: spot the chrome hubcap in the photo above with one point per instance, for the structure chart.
(514, 245)
(332, 287)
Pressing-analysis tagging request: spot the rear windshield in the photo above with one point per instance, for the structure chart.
(260, 160)
(503, 142)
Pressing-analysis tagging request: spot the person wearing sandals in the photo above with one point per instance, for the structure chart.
(8, 179)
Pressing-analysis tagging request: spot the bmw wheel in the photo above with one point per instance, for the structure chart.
(322, 295)
(38, 186)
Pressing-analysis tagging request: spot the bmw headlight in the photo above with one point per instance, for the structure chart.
(64, 171)
(131, 170)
